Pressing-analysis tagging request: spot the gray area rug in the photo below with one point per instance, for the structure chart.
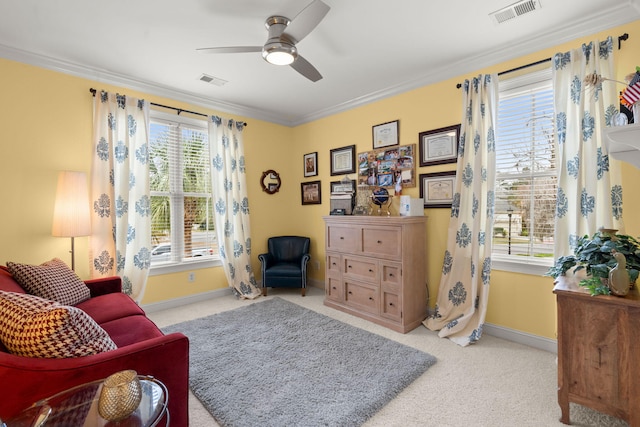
(275, 363)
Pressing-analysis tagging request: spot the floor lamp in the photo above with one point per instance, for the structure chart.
(71, 210)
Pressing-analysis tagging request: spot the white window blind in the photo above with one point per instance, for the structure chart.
(526, 175)
(181, 204)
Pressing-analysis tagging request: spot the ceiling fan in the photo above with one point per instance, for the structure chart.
(284, 34)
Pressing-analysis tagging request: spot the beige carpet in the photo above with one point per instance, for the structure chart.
(493, 383)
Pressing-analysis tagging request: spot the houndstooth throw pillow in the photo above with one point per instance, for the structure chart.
(34, 327)
(52, 280)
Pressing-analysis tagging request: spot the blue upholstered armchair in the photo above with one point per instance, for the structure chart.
(285, 265)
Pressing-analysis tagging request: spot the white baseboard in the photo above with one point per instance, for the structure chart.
(177, 302)
(508, 334)
(536, 341)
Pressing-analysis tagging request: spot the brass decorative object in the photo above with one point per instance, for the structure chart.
(120, 395)
(363, 200)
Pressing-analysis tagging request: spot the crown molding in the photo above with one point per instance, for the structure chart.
(611, 17)
(108, 77)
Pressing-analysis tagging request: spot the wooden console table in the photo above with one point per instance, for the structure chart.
(599, 353)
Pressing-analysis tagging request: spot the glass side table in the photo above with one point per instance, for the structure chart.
(78, 406)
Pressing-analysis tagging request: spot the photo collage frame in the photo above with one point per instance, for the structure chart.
(387, 167)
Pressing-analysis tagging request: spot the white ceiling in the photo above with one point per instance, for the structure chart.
(365, 49)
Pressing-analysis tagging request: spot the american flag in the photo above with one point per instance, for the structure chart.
(631, 94)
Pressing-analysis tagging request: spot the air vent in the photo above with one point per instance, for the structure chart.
(515, 10)
(213, 80)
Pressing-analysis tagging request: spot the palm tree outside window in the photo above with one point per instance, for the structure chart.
(182, 221)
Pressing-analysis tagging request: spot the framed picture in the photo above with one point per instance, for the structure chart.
(311, 193)
(436, 189)
(439, 146)
(340, 186)
(343, 160)
(386, 134)
(388, 167)
(311, 164)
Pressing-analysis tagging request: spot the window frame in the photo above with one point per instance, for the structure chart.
(513, 263)
(177, 229)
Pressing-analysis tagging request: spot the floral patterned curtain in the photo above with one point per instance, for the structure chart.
(121, 221)
(586, 173)
(231, 204)
(464, 285)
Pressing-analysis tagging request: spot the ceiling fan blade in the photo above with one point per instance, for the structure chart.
(306, 20)
(305, 68)
(230, 49)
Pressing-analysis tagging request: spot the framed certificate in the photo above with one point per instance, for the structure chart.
(343, 160)
(439, 146)
(436, 189)
(386, 134)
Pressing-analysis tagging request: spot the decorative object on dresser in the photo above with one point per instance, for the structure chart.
(598, 353)
(376, 269)
(342, 196)
(382, 199)
(593, 259)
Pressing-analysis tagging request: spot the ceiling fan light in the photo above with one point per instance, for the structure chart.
(279, 54)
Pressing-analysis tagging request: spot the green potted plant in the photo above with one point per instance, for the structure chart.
(595, 257)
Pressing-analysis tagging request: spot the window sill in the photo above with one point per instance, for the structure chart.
(177, 267)
(533, 267)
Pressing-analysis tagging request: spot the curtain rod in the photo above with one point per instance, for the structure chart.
(179, 110)
(621, 38)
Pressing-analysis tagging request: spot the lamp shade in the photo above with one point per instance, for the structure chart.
(279, 53)
(71, 211)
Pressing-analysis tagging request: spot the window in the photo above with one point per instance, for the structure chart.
(182, 222)
(526, 175)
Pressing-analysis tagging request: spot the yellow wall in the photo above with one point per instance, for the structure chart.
(46, 127)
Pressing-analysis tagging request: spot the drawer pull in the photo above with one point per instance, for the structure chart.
(334, 288)
(391, 275)
(333, 263)
(370, 298)
(350, 293)
(379, 241)
(390, 304)
(341, 238)
(370, 271)
(348, 266)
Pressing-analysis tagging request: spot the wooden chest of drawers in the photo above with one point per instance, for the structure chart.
(375, 269)
(599, 354)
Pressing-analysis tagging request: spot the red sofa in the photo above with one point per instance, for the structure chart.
(141, 346)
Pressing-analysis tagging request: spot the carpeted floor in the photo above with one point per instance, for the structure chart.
(276, 364)
(493, 383)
